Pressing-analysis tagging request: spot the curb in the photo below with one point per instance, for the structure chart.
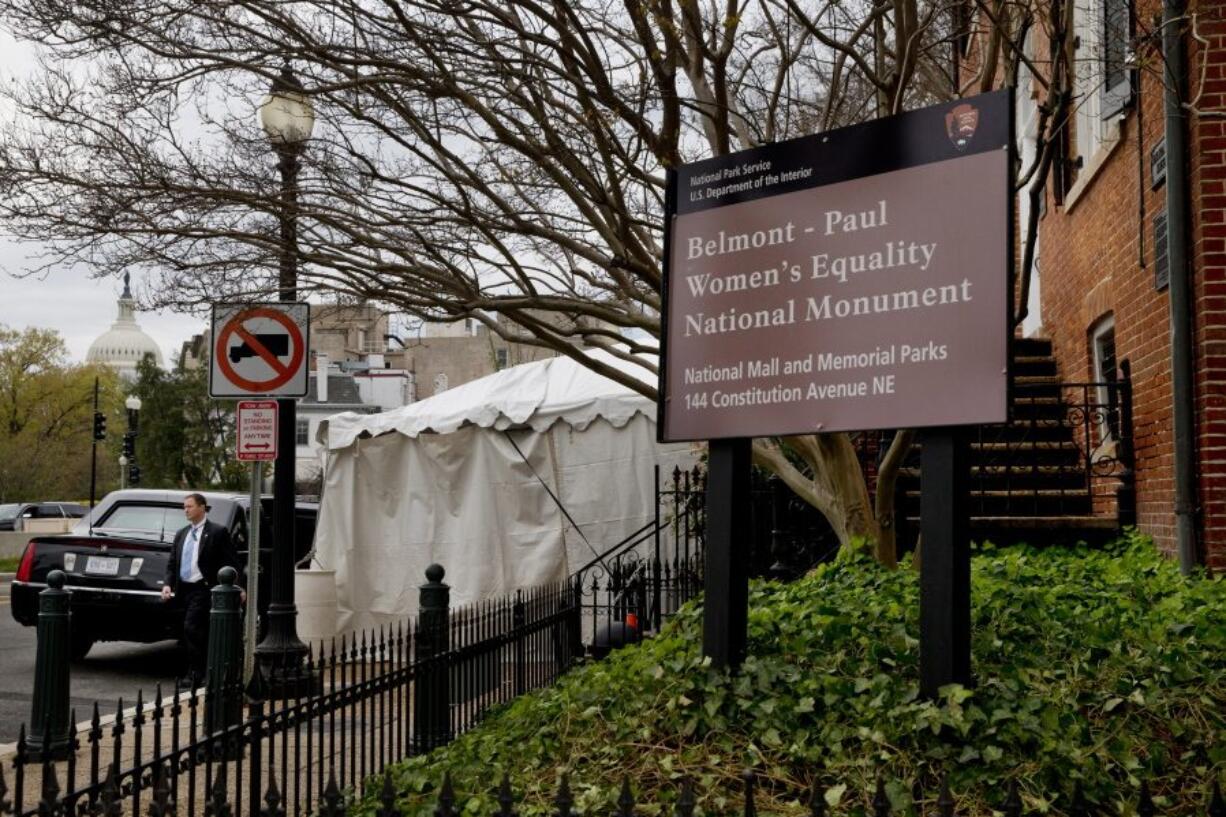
(8, 750)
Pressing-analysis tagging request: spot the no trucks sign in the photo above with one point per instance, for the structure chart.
(856, 279)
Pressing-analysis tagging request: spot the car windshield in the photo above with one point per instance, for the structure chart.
(159, 520)
(155, 521)
(8, 511)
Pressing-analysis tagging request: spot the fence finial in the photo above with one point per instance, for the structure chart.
(881, 801)
(163, 804)
(111, 807)
(564, 801)
(446, 798)
(1078, 806)
(625, 800)
(1145, 803)
(257, 687)
(686, 802)
(49, 805)
(817, 799)
(945, 802)
(387, 797)
(1217, 806)
(506, 800)
(333, 804)
(1013, 803)
(218, 804)
(272, 796)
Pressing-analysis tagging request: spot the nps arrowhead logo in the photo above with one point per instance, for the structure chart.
(960, 125)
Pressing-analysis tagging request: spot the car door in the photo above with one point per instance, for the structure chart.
(27, 512)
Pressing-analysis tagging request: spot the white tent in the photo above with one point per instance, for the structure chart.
(464, 479)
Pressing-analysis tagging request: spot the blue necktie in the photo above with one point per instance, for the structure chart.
(189, 556)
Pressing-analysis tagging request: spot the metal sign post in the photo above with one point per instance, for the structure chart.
(257, 444)
(725, 615)
(253, 572)
(945, 561)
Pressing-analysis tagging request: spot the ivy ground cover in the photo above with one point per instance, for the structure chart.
(1100, 667)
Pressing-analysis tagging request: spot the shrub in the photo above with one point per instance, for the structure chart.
(1103, 667)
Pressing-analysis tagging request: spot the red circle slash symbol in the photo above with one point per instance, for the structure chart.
(283, 372)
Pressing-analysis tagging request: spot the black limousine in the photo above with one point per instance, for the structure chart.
(115, 559)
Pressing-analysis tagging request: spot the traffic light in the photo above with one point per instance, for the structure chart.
(99, 426)
(133, 476)
(129, 445)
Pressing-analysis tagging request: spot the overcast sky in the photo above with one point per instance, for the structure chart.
(80, 308)
(70, 301)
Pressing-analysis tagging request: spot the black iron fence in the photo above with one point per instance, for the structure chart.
(632, 587)
(375, 697)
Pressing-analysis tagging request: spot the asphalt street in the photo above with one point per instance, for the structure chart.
(110, 671)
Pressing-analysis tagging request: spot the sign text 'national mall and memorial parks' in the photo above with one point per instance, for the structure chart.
(856, 279)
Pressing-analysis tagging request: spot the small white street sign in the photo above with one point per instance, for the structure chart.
(257, 430)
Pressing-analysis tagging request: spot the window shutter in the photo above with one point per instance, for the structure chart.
(1063, 172)
(1162, 261)
(1117, 38)
(1157, 164)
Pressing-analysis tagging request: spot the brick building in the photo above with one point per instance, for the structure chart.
(444, 355)
(1104, 266)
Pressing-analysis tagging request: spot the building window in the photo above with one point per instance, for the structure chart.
(1102, 349)
(440, 383)
(1117, 42)
(500, 358)
(1102, 86)
(302, 431)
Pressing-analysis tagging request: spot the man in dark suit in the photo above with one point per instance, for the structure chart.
(200, 550)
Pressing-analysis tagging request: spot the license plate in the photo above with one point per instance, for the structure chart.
(103, 565)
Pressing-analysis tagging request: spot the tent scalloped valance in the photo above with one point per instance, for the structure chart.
(536, 394)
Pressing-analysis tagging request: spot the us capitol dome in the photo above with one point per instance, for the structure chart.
(125, 344)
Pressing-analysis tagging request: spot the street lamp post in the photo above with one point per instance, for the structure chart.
(287, 117)
(133, 405)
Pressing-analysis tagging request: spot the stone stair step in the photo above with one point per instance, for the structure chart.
(1048, 522)
(1068, 477)
(1005, 470)
(1034, 365)
(1028, 475)
(1052, 522)
(1032, 347)
(1043, 493)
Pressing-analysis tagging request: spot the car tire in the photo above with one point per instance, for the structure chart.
(80, 645)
